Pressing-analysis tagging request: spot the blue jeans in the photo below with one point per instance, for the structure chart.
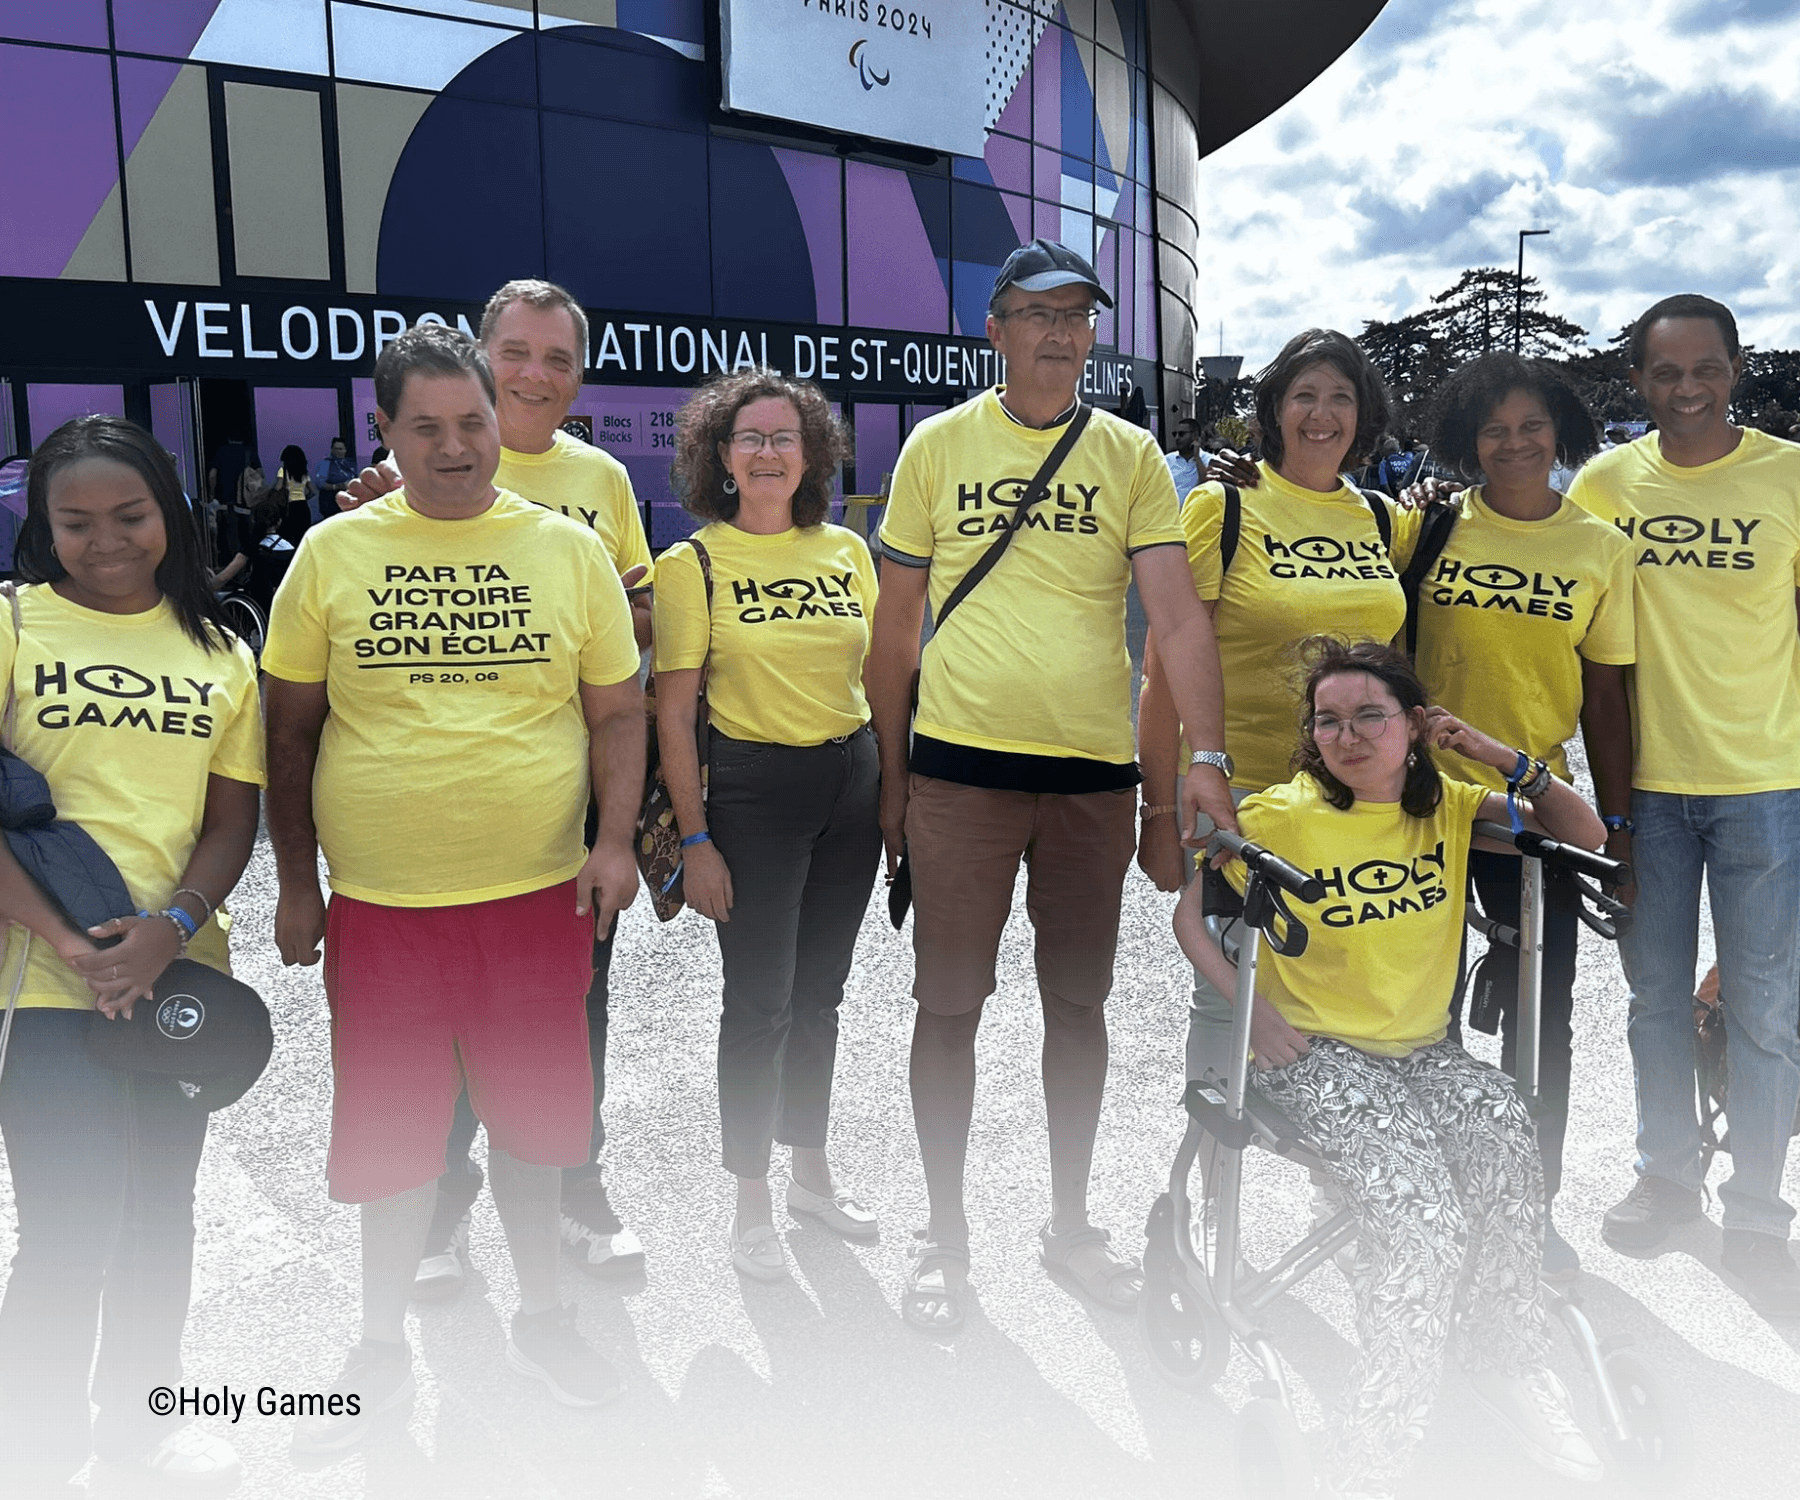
(1749, 850)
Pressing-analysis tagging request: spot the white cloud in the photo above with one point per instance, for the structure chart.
(1662, 148)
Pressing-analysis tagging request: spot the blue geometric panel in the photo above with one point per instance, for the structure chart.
(766, 273)
(590, 70)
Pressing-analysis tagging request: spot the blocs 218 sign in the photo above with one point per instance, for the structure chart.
(915, 72)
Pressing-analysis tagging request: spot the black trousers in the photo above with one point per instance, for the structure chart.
(798, 829)
(1496, 881)
(103, 1167)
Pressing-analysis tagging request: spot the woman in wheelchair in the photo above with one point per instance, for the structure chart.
(1431, 1150)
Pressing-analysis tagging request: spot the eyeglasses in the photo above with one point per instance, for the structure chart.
(748, 440)
(1367, 723)
(1043, 319)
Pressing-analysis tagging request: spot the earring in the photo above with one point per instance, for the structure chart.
(729, 486)
(1412, 758)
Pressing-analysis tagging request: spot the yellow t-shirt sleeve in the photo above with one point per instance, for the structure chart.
(1153, 520)
(238, 752)
(609, 654)
(906, 528)
(1589, 495)
(1407, 525)
(871, 586)
(1611, 639)
(299, 644)
(632, 549)
(683, 621)
(1202, 521)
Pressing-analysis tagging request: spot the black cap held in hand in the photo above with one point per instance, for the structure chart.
(1044, 264)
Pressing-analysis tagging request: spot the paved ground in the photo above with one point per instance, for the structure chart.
(816, 1389)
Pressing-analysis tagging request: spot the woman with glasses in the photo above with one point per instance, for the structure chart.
(768, 607)
(1525, 617)
(1431, 1150)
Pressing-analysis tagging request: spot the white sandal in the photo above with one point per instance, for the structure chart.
(758, 1253)
(840, 1211)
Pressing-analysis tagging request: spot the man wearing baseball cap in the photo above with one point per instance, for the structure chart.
(1022, 745)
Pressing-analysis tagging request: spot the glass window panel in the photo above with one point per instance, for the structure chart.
(62, 155)
(77, 23)
(49, 406)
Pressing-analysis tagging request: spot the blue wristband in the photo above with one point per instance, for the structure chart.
(1615, 824)
(182, 919)
(702, 837)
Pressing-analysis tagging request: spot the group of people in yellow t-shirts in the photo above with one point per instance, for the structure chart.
(454, 719)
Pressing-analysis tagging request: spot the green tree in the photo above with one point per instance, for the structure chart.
(1476, 316)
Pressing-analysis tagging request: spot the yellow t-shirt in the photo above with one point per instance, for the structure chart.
(453, 766)
(587, 484)
(126, 717)
(1509, 613)
(788, 631)
(1306, 563)
(1716, 549)
(1383, 945)
(1033, 661)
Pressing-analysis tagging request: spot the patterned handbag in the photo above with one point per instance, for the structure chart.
(658, 833)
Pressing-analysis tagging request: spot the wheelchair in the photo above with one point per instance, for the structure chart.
(1200, 1299)
(246, 619)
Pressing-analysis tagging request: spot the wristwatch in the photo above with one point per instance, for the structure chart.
(1217, 759)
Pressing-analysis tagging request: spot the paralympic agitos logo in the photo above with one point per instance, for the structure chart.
(869, 78)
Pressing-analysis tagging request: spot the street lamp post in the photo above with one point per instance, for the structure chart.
(1519, 292)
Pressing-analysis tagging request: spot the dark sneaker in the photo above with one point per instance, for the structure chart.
(443, 1267)
(1764, 1270)
(593, 1231)
(376, 1378)
(1642, 1219)
(1562, 1264)
(546, 1347)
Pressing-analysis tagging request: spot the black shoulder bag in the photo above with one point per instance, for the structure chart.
(900, 889)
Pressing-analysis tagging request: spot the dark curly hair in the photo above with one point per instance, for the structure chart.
(704, 427)
(1467, 399)
(1681, 305)
(1326, 656)
(1324, 346)
(182, 574)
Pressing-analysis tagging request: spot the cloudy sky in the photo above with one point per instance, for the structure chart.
(1660, 141)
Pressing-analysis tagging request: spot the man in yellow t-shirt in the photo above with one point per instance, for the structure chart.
(450, 670)
(1712, 512)
(1022, 747)
(535, 335)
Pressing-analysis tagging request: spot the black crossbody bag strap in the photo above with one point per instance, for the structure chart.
(1034, 492)
(1434, 536)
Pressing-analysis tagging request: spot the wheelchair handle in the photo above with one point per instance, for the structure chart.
(1554, 852)
(1272, 867)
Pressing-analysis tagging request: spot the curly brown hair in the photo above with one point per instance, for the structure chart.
(704, 426)
(1326, 656)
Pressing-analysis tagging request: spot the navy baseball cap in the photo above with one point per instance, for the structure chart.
(1044, 264)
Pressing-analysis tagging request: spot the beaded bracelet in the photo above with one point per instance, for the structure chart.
(1538, 784)
(183, 922)
(200, 896)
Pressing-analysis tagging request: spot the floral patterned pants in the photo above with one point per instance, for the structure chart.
(1434, 1153)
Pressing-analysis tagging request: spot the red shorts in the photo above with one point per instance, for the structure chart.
(425, 998)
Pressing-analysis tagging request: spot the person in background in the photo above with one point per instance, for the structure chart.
(783, 843)
(535, 335)
(331, 476)
(1525, 621)
(448, 802)
(297, 494)
(1712, 514)
(1188, 461)
(103, 1162)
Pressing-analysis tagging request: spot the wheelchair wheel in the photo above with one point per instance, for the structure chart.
(1273, 1463)
(1659, 1452)
(246, 621)
(1183, 1333)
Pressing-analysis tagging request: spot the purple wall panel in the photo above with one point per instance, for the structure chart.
(1009, 163)
(168, 28)
(817, 186)
(1015, 119)
(143, 86)
(57, 121)
(168, 423)
(1046, 220)
(894, 277)
(877, 444)
(1019, 211)
(80, 23)
(307, 415)
(52, 405)
(1045, 76)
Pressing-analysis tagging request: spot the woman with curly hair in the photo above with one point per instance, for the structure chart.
(781, 837)
(1430, 1149)
(1525, 617)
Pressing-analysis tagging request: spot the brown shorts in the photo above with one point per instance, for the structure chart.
(965, 843)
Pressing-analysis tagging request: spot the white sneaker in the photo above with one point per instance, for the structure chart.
(758, 1253)
(193, 1458)
(1535, 1407)
(840, 1212)
(441, 1269)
